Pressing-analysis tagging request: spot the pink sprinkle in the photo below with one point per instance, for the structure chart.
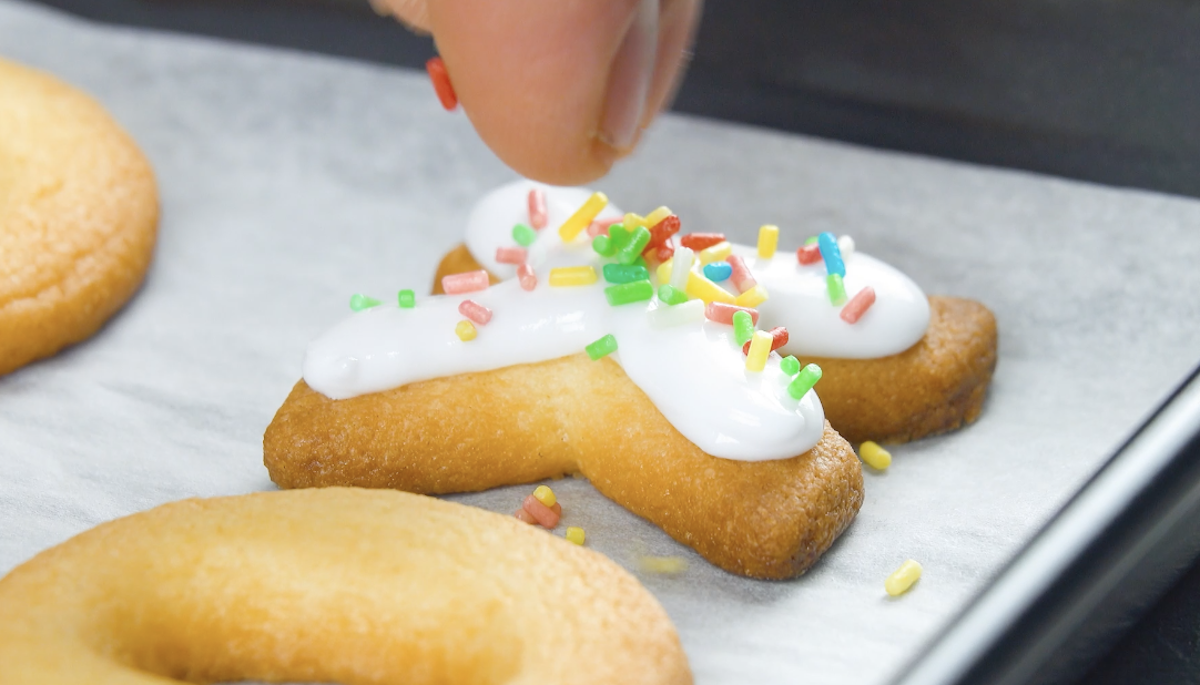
(809, 254)
(858, 305)
(524, 516)
(546, 517)
(527, 277)
(742, 279)
(475, 312)
(537, 208)
(779, 338)
(723, 313)
(465, 283)
(510, 255)
(600, 227)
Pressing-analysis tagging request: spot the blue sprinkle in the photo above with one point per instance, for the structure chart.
(832, 254)
(717, 271)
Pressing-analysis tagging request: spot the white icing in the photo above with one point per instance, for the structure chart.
(693, 373)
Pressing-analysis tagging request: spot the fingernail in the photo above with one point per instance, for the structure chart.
(629, 80)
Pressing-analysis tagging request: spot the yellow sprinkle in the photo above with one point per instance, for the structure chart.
(752, 297)
(704, 289)
(654, 218)
(572, 275)
(760, 347)
(716, 253)
(465, 330)
(582, 217)
(633, 221)
(662, 566)
(545, 495)
(575, 534)
(899, 582)
(664, 272)
(768, 239)
(875, 456)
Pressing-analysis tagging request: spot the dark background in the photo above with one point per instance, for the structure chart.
(1099, 90)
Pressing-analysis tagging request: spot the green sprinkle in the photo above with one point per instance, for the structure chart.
(804, 381)
(632, 249)
(811, 241)
(607, 245)
(620, 273)
(361, 302)
(602, 347)
(524, 235)
(641, 261)
(407, 299)
(837, 289)
(789, 365)
(743, 327)
(671, 295)
(638, 291)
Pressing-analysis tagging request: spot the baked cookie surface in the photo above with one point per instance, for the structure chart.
(78, 216)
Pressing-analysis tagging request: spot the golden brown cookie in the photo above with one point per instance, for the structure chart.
(78, 212)
(935, 386)
(766, 519)
(333, 585)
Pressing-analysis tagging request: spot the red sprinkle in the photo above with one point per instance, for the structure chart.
(699, 241)
(527, 277)
(779, 338)
(662, 232)
(858, 305)
(465, 283)
(809, 254)
(441, 83)
(665, 251)
(742, 279)
(537, 209)
(723, 313)
(547, 517)
(511, 255)
(475, 312)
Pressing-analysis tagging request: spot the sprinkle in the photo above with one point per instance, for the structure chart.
(700, 241)
(752, 297)
(875, 456)
(701, 287)
(360, 302)
(441, 83)
(740, 274)
(602, 347)
(465, 330)
(407, 299)
(779, 338)
(575, 535)
(811, 240)
(523, 235)
(768, 240)
(717, 271)
(716, 253)
(832, 254)
(621, 273)
(899, 582)
(582, 217)
(633, 221)
(629, 253)
(600, 226)
(545, 495)
(809, 254)
(626, 293)
(858, 305)
(662, 231)
(836, 289)
(527, 277)
(544, 515)
(846, 245)
(538, 216)
(760, 347)
(524, 516)
(663, 271)
(475, 312)
(511, 255)
(672, 295)
(789, 365)
(663, 252)
(681, 267)
(657, 216)
(665, 316)
(804, 381)
(616, 238)
(572, 275)
(743, 327)
(662, 566)
(722, 312)
(465, 283)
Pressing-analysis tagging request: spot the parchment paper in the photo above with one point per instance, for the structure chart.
(290, 181)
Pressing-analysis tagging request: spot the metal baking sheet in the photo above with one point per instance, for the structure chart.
(290, 181)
